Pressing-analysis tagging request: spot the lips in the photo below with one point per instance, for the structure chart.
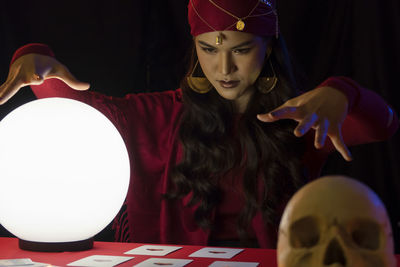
(228, 84)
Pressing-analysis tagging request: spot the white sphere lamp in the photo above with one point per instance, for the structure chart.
(64, 174)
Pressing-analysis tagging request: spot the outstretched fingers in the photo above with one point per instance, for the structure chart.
(63, 74)
(305, 125)
(10, 87)
(321, 132)
(5, 92)
(282, 112)
(338, 143)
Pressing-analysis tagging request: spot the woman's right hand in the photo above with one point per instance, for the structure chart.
(33, 69)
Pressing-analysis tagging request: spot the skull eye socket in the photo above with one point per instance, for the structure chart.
(366, 234)
(304, 233)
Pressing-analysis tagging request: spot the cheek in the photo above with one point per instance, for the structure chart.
(206, 62)
(253, 64)
(252, 68)
(207, 67)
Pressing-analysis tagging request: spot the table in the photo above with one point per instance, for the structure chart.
(9, 250)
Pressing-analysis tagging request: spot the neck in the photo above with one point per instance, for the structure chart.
(242, 102)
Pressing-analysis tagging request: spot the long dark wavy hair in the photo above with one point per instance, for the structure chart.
(217, 142)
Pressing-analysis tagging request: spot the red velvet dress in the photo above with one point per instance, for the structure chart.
(149, 123)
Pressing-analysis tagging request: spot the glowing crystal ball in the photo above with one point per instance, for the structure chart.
(64, 171)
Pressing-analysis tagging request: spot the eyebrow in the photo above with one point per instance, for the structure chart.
(236, 46)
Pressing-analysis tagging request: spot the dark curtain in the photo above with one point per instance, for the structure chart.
(124, 47)
(359, 39)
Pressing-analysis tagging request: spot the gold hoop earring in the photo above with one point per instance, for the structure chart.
(268, 83)
(198, 84)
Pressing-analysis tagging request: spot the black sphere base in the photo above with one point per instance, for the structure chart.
(56, 246)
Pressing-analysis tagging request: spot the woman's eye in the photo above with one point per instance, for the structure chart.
(241, 51)
(209, 50)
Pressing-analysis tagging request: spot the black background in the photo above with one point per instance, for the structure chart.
(126, 46)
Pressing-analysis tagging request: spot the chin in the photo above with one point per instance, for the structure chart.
(229, 93)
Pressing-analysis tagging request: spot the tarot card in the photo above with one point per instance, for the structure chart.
(159, 262)
(233, 264)
(153, 250)
(221, 253)
(100, 260)
(41, 264)
(16, 262)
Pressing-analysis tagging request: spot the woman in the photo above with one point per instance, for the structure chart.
(215, 161)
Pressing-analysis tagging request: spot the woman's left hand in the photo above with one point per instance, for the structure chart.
(322, 109)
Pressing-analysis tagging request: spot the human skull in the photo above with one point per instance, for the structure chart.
(335, 221)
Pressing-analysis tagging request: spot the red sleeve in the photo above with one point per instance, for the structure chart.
(369, 119)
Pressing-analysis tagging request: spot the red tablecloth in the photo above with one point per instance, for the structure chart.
(9, 250)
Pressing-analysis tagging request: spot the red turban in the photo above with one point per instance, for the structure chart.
(258, 17)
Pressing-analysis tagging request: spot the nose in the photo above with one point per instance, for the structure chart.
(226, 64)
(334, 254)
